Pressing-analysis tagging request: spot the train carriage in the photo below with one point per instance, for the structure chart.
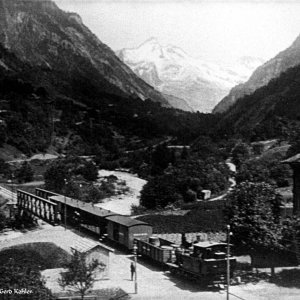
(124, 230)
(83, 214)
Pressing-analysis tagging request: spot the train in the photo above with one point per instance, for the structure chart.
(204, 261)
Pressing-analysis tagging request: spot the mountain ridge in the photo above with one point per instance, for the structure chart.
(43, 35)
(271, 111)
(271, 69)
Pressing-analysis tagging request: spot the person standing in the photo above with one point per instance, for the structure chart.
(132, 270)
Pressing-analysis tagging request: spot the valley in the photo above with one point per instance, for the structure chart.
(149, 151)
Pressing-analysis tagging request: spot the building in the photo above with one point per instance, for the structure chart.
(95, 251)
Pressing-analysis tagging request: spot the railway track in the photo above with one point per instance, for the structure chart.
(8, 194)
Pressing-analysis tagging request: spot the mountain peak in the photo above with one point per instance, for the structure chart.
(173, 72)
(152, 40)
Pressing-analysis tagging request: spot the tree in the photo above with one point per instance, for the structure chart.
(54, 177)
(93, 194)
(89, 171)
(3, 220)
(5, 168)
(183, 181)
(70, 168)
(269, 170)
(161, 157)
(240, 153)
(159, 192)
(80, 274)
(253, 215)
(25, 173)
(14, 275)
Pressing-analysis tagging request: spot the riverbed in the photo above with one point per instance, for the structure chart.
(121, 204)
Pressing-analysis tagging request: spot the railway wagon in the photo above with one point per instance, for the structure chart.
(157, 249)
(124, 230)
(86, 215)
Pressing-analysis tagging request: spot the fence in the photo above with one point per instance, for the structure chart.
(215, 204)
(193, 236)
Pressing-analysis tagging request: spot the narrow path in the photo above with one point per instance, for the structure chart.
(232, 168)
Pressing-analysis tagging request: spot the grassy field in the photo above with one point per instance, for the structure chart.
(36, 255)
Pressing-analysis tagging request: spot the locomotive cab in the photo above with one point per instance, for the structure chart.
(208, 260)
(207, 250)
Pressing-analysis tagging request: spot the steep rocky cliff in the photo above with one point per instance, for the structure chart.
(262, 75)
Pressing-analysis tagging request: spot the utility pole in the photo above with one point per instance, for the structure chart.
(228, 260)
(135, 265)
(65, 208)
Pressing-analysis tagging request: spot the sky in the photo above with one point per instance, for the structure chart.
(208, 29)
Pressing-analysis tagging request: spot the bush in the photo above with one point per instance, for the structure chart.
(3, 220)
(25, 173)
(138, 209)
(110, 165)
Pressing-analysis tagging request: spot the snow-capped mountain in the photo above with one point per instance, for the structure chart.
(173, 72)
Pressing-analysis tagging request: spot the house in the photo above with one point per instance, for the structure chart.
(93, 250)
(205, 194)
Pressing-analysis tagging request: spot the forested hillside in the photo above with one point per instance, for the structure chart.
(272, 111)
(62, 88)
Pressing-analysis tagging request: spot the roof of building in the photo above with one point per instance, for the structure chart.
(292, 160)
(268, 142)
(87, 207)
(178, 147)
(207, 244)
(84, 245)
(126, 221)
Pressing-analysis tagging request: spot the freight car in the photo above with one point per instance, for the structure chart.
(159, 250)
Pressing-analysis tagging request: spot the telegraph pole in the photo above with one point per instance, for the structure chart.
(65, 208)
(228, 260)
(135, 265)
